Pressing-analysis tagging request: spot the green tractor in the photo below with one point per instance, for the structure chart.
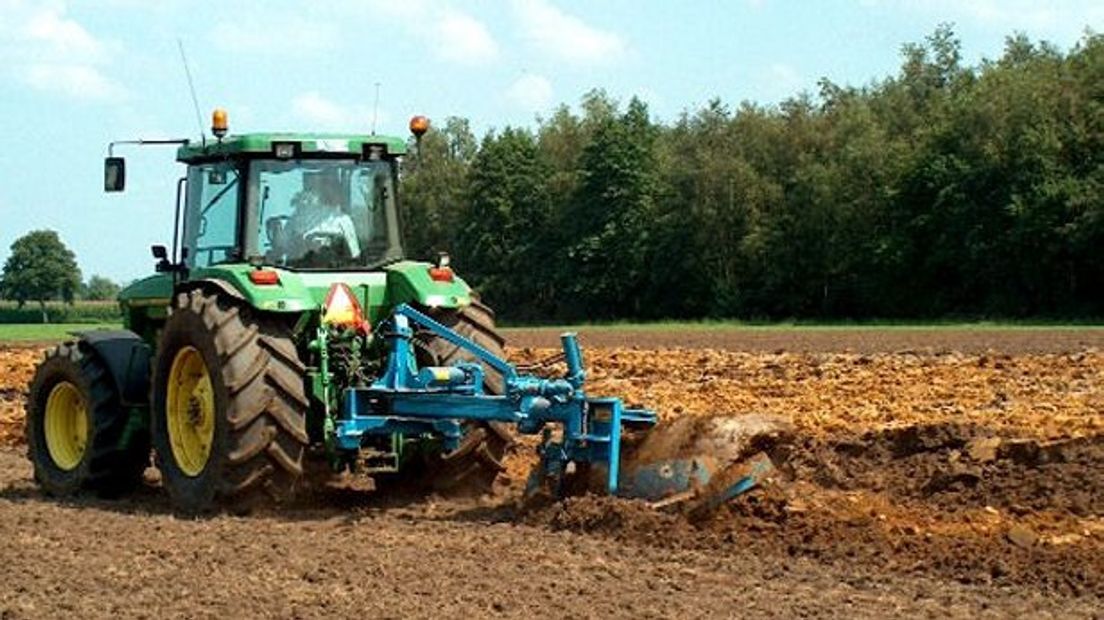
(287, 250)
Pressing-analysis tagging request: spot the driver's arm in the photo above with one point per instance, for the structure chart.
(348, 230)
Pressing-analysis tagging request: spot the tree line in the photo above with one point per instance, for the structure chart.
(942, 190)
(41, 268)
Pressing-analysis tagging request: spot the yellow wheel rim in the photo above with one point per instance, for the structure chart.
(66, 425)
(190, 411)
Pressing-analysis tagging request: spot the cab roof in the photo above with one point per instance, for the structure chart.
(306, 144)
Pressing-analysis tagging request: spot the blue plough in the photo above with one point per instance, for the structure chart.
(438, 400)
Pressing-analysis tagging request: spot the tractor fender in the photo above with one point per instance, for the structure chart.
(410, 282)
(127, 358)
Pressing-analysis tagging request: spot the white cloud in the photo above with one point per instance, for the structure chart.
(450, 34)
(462, 38)
(565, 36)
(532, 92)
(48, 51)
(1054, 17)
(784, 76)
(275, 34)
(322, 113)
(778, 81)
(64, 36)
(74, 80)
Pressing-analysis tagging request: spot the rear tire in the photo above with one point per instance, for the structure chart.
(475, 466)
(251, 450)
(84, 441)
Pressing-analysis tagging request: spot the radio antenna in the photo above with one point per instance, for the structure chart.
(375, 109)
(191, 88)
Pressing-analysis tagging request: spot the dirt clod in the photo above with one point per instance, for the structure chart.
(984, 450)
(1022, 536)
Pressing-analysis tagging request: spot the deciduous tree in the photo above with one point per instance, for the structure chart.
(40, 268)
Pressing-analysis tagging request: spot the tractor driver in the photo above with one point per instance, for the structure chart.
(318, 221)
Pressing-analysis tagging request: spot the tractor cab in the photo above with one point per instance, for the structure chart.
(291, 201)
(276, 219)
(307, 202)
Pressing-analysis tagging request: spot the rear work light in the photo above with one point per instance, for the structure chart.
(264, 277)
(285, 150)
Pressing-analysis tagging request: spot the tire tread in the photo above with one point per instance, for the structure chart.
(266, 408)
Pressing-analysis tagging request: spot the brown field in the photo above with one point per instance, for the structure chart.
(936, 473)
(1009, 340)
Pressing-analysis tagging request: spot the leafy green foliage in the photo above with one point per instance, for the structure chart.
(941, 190)
(608, 223)
(40, 268)
(435, 182)
(99, 288)
(505, 231)
(79, 312)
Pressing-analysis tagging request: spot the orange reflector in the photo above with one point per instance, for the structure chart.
(264, 277)
(342, 308)
(441, 274)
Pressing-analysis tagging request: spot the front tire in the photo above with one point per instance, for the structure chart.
(78, 435)
(229, 406)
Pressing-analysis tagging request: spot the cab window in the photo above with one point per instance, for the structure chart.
(325, 214)
(212, 215)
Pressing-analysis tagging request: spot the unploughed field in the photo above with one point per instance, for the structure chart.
(935, 473)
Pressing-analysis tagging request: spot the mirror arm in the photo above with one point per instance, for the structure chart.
(111, 145)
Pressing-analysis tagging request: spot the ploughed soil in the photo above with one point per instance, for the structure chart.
(827, 339)
(956, 482)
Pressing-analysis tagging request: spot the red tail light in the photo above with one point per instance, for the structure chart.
(264, 277)
(441, 274)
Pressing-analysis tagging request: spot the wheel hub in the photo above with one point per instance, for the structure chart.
(190, 411)
(66, 425)
(195, 415)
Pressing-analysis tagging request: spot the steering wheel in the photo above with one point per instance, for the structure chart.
(325, 241)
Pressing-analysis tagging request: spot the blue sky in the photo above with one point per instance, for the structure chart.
(76, 75)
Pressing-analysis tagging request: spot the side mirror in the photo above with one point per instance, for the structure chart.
(114, 174)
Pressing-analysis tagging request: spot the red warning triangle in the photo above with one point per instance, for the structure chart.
(342, 308)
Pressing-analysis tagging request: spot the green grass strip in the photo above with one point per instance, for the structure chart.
(51, 332)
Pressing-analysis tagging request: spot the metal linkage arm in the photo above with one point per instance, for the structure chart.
(452, 337)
